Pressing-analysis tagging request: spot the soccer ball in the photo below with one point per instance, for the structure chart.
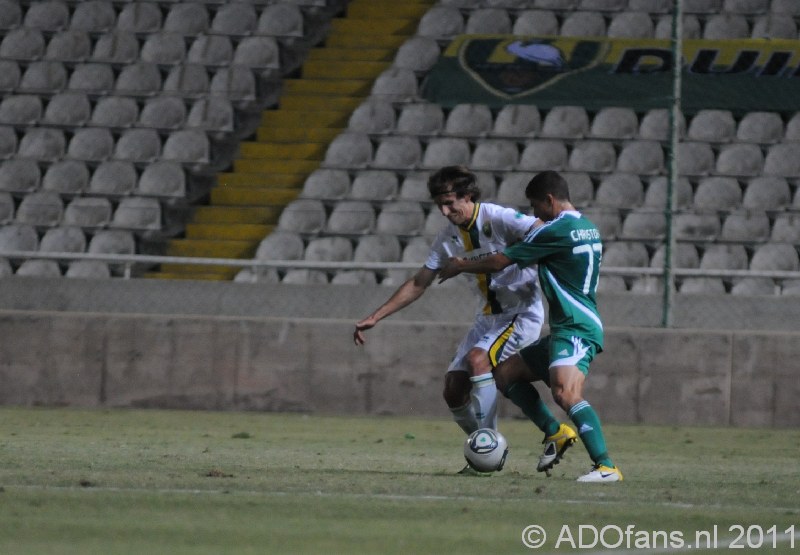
(486, 450)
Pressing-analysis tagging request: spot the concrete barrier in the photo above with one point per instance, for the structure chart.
(696, 377)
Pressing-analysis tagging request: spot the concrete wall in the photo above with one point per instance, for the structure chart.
(301, 364)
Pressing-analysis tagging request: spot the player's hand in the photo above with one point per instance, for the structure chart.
(451, 269)
(361, 327)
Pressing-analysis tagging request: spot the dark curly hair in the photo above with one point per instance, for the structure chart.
(454, 179)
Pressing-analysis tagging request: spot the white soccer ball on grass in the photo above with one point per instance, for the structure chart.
(486, 450)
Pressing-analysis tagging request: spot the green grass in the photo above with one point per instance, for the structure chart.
(125, 481)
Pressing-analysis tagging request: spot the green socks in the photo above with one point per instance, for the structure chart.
(525, 396)
(588, 424)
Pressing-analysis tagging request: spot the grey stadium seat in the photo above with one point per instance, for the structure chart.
(420, 119)
(620, 190)
(303, 216)
(780, 257)
(745, 226)
(565, 122)
(643, 157)
(43, 144)
(702, 285)
(329, 249)
(715, 126)
(71, 109)
(281, 20)
(18, 237)
(113, 178)
(592, 156)
(740, 160)
(783, 160)
(24, 43)
(280, 245)
(418, 54)
(43, 77)
(415, 187)
(164, 178)
(583, 24)
(441, 23)
(697, 226)
(695, 159)
(116, 47)
(69, 46)
(305, 277)
(774, 26)
(140, 78)
(536, 23)
(10, 74)
(767, 193)
(326, 184)
(214, 115)
(188, 146)
(754, 286)
(87, 212)
(398, 153)
(446, 151)
(163, 112)
(746, 7)
(63, 239)
(39, 268)
(91, 144)
(607, 220)
(760, 127)
(187, 18)
(684, 256)
(547, 154)
(726, 26)
(495, 154)
(511, 191)
(8, 142)
(138, 145)
(354, 277)
(402, 217)
(19, 176)
(615, 123)
(66, 177)
(718, 193)
(656, 194)
(377, 248)
(633, 25)
(517, 120)
(469, 120)
(88, 269)
(92, 78)
(644, 224)
(261, 53)
(373, 116)
(112, 241)
(655, 125)
(138, 214)
(374, 185)
(789, 7)
(488, 21)
(724, 257)
(187, 80)
(396, 84)
(21, 109)
(786, 229)
(625, 254)
(10, 15)
(352, 217)
(94, 16)
(581, 188)
(349, 150)
(793, 128)
(41, 209)
(6, 208)
(50, 15)
(238, 18)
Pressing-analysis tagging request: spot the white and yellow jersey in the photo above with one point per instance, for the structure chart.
(491, 229)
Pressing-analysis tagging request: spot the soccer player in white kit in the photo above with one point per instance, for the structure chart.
(510, 313)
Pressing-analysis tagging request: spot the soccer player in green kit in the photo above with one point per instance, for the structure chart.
(567, 248)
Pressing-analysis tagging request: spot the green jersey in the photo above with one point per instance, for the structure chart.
(567, 250)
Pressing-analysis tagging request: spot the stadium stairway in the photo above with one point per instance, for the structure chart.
(291, 141)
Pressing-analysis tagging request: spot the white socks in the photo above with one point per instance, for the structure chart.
(484, 400)
(465, 418)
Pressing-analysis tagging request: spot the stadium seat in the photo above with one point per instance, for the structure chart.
(726, 26)
(434, 222)
(469, 120)
(326, 184)
(237, 19)
(40, 209)
(140, 78)
(620, 190)
(592, 156)
(163, 112)
(791, 287)
(535, 23)
(10, 74)
(418, 54)
(92, 78)
(655, 125)
(6, 208)
(767, 193)
(113, 178)
(774, 26)
(8, 142)
(760, 127)
(754, 286)
(603, 5)
(137, 214)
(683, 256)
(415, 187)
(91, 144)
(87, 212)
(717, 193)
(517, 120)
(656, 194)
(66, 177)
(138, 145)
(642, 157)
(746, 7)
(789, 7)
(18, 237)
(94, 16)
(714, 126)
(607, 220)
(349, 150)
(69, 109)
(329, 249)
(377, 248)
(702, 285)
(631, 25)
(63, 239)
(49, 15)
(43, 77)
(614, 123)
(69, 46)
(786, 229)
(625, 254)
(117, 47)
(24, 43)
(647, 285)
(740, 159)
(446, 151)
(511, 191)
(581, 188)
(10, 15)
(644, 224)
(441, 23)
(88, 269)
(354, 277)
(187, 18)
(351, 217)
(305, 277)
(187, 80)
(695, 159)
(488, 21)
(495, 155)
(781, 257)
(398, 152)
(396, 84)
(163, 178)
(724, 257)
(188, 146)
(697, 226)
(259, 53)
(112, 241)
(19, 176)
(238, 84)
(373, 116)
(745, 226)
(214, 115)
(583, 24)
(401, 218)
(374, 185)
(565, 122)
(420, 119)
(281, 19)
(281, 245)
(793, 128)
(42, 144)
(547, 154)
(39, 268)
(783, 160)
(611, 284)
(21, 110)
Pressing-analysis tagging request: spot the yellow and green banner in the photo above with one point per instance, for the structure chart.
(739, 75)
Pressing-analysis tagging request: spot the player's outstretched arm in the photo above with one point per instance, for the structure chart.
(406, 294)
(486, 265)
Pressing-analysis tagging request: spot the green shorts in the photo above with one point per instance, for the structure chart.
(550, 351)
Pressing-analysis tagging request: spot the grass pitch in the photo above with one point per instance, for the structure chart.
(125, 481)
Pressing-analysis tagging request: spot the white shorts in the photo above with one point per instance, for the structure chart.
(500, 335)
